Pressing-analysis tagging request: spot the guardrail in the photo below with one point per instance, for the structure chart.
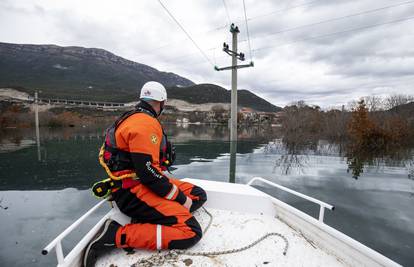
(57, 242)
(322, 204)
(79, 102)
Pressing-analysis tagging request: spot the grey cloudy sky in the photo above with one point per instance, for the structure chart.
(326, 52)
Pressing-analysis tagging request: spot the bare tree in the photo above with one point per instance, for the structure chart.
(397, 100)
(351, 105)
(297, 104)
(374, 103)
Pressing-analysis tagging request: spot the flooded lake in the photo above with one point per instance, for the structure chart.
(43, 189)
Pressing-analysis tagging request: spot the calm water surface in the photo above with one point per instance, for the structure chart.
(42, 190)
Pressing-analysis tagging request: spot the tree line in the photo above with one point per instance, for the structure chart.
(370, 118)
(366, 130)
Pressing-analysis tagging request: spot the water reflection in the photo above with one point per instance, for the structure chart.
(359, 158)
(292, 156)
(69, 155)
(233, 153)
(376, 210)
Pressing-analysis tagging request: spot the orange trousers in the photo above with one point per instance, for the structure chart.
(158, 223)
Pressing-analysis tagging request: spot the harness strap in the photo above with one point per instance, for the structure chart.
(114, 150)
(109, 172)
(115, 125)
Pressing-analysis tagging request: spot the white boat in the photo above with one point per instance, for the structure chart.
(237, 215)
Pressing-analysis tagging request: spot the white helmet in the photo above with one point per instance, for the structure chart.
(153, 91)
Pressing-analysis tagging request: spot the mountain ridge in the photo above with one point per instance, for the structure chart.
(97, 74)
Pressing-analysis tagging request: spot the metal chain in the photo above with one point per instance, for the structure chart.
(173, 255)
(157, 259)
(210, 222)
(230, 251)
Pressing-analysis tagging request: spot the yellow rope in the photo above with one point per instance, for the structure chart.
(108, 171)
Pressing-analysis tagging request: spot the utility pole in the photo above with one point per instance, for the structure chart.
(233, 112)
(233, 128)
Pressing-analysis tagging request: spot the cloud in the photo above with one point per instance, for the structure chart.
(302, 49)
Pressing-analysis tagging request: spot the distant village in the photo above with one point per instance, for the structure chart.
(245, 116)
(63, 112)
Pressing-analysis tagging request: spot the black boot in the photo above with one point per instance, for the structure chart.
(101, 243)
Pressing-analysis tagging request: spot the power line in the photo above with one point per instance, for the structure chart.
(188, 35)
(247, 30)
(284, 9)
(180, 58)
(333, 19)
(225, 26)
(336, 33)
(149, 53)
(268, 14)
(315, 37)
(404, 80)
(325, 35)
(227, 12)
(313, 24)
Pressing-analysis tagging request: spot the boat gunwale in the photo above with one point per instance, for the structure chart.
(73, 257)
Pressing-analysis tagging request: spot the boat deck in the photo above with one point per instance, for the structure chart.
(231, 230)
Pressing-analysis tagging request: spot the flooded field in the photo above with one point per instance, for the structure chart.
(44, 188)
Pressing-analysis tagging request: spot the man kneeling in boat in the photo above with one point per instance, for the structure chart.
(135, 153)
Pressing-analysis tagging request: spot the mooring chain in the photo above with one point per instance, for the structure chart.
(157, 259)
(173, 255)
(210, 222)
(230, 251)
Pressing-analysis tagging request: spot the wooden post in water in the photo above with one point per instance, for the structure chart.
(36, 107)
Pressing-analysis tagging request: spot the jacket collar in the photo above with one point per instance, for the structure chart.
(146, 107)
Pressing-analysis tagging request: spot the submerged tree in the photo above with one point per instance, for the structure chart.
(369, 134)
(364, 132)
(371, 139)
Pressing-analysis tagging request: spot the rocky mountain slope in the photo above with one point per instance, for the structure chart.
(96, 74)
(71, 71)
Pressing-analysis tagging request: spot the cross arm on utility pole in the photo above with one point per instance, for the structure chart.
(235, 55)
(232, 53)
(251, 64)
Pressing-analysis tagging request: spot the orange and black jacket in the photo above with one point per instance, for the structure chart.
(141, 135)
